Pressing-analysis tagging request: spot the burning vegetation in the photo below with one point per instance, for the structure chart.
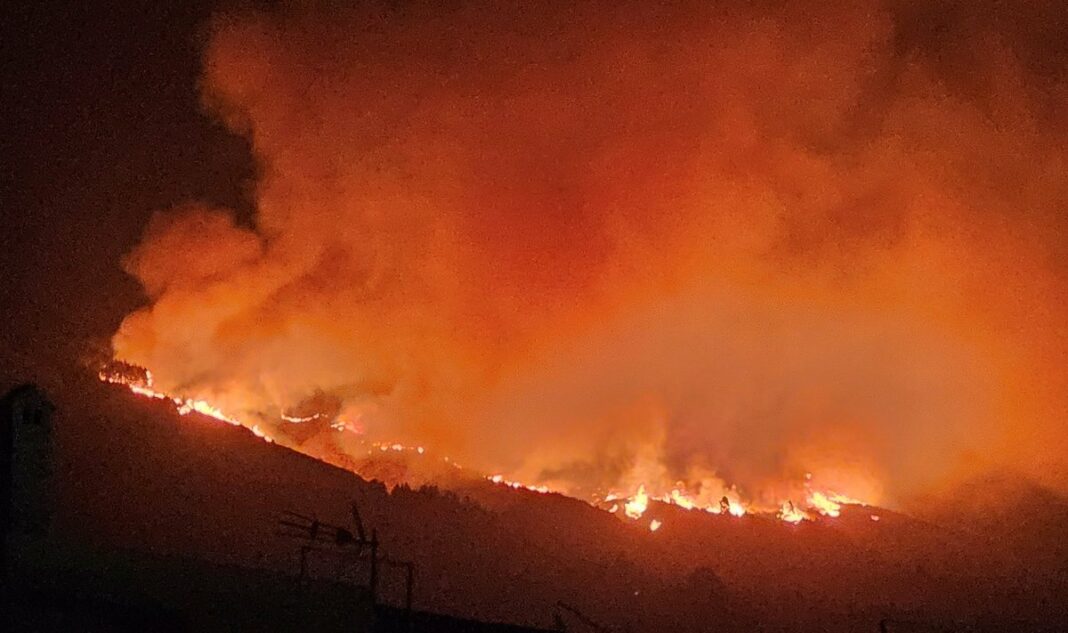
(732, 259)
(631, 506)
(679, 316)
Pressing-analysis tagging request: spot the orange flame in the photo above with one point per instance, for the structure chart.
(636, 506)
(822, 502)
(184, 406)
(791, 514)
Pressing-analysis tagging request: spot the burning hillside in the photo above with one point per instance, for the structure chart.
(633, 506)
(734, 259)
(500, 552)
(688, 313)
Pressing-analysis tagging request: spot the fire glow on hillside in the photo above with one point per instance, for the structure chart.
(732, 259)
(634, 506)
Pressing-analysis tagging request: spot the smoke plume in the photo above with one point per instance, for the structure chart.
(594, 244)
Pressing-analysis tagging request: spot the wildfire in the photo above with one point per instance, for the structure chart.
(678, 498)
(184, 406)
(817, 502)
(296, 419)
(829, 503)
(499, 479)
(399, 448)
(636, 506)
(791, 514)
(258, 432)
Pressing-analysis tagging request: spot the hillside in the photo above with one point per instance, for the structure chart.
(132, 475)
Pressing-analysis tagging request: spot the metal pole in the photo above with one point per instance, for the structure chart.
(407, 597)
(301, 607)
(374, 566)
(303, 560)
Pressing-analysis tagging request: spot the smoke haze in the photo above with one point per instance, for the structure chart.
(595, 244)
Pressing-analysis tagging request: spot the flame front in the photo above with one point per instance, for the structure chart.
(817, 502)
(184, 406)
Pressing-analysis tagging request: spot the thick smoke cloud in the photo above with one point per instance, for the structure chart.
(597, 244)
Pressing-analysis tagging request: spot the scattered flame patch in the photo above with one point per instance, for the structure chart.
(791, 514)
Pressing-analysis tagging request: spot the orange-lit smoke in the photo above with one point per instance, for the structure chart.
(595, 245)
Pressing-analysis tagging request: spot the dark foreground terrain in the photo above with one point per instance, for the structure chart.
(160, 521)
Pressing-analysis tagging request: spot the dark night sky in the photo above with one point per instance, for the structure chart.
(102, 127)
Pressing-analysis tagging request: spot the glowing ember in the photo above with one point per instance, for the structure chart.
(654, 525)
